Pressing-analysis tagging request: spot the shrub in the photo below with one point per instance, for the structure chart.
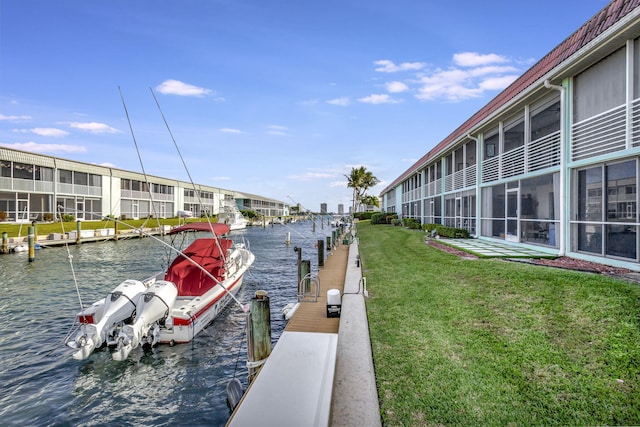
(68, 218)
(383, 218)
(411, 223)
(3, 216)
(444, 231)
(364, 215)
(396, 222)
(48, 217)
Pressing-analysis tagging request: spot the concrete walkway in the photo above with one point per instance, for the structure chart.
(493, 249)
(314, 377)
(355, 395)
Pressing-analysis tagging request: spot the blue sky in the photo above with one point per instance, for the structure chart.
(279, 98)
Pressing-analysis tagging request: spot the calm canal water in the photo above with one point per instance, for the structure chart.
(181, 385)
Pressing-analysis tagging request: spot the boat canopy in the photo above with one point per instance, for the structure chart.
(218, 229)
(191, 280)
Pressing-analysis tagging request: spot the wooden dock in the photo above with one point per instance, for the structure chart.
(312, 316)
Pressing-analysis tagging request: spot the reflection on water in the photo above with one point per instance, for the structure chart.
(43, 385)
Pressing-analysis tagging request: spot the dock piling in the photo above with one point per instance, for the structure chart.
(5, 243)
(321, 253)
(258, 333)
(32, 245)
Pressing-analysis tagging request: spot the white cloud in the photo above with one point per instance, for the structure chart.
(470, 75)
(229, 130)
(342, 102)
(474, 59)
(396, 87)
(93, 127)
(308, 176)
(387, 66)
(378, 99)
(53, 132)
(176, 87)
(497, 83)
(47, 148)
(107, 165)
(477, 75)
(14, 118)
(277, 130)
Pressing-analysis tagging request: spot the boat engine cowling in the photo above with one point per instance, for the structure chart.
(119, 305)
(154, 305)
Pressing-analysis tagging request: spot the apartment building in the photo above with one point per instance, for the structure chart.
(552, 161)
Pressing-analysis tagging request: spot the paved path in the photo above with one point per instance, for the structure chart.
(320, 372)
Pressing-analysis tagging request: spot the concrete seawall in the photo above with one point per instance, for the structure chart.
(320, 378)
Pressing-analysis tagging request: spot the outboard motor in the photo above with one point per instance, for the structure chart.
(119, 305)
(154, 306)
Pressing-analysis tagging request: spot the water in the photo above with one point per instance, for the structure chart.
(185, 384)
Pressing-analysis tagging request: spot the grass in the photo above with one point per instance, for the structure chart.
(491, 342)
(46, 228)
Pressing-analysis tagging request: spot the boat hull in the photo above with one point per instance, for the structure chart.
(190, 317)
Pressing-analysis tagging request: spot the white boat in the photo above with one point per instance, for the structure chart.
(170, 307)
(230, 214)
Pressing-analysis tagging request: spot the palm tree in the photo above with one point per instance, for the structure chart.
(370, 200)
(360, 179)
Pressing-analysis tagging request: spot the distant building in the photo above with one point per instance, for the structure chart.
(340, 209)
(36, 187)
(553, 161)
(323, 208)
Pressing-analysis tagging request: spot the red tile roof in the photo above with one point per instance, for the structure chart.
(603, 20)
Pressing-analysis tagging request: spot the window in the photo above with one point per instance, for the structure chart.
(545, 121)
(621, 178)
(22, 171)
(5, 169)
(95, 180)
(65, 176)
(590, 194)
(601, 87)
(491, 148)
(80, 178)
(514, 135)
(41, 173)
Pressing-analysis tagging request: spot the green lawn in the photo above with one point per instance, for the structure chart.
(46, 228)
(491, 342)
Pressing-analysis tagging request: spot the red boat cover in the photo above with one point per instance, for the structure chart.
(218, 228)
(191, 280)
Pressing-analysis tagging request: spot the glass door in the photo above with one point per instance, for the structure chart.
(80, 209)
(513, 197)
(22, 214)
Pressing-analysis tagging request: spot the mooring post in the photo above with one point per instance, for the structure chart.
(78, 231)
(35, 230)
(5, 243)
(258, 333)
(31, 243)
(115, 229)
(299, 264)
(320, 253)
(305, 278)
